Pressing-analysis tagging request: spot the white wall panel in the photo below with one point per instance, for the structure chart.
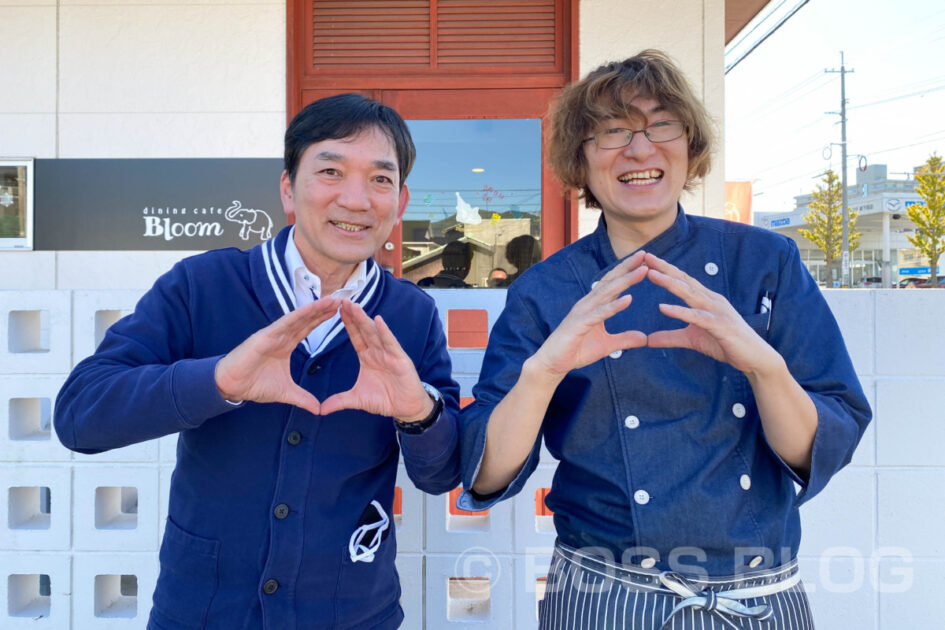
(27, 270)
(112, 271)
(28, 135)
(910, 423)
(28, 34)
(144, 58)
(908, 342)
(172, 135)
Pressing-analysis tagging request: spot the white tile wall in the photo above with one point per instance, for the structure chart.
(28, 34)
(28, 135)
(27, 270)
(883, 512)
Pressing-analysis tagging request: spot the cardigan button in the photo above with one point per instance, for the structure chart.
(648, 563)
(281, 511)
(755, 561)
(270, 587)
(738, 410)
(294, 438)
(631, 422)
(711, 268)
(745, 482)
(616, 354)
(641, 496)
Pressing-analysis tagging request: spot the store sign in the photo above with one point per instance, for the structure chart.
(156, 204)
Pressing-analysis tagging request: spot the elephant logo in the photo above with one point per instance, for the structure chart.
(251, 220)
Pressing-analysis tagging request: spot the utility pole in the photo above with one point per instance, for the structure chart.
(845, 233)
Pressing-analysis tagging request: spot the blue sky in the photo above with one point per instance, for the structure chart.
(777, 132)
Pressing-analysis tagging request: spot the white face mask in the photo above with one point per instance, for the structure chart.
(365, 553)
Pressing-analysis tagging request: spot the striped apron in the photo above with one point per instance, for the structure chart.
(588, 593)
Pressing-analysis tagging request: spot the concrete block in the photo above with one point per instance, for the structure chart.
(854, 312)
(93, 312)
(910, 422)
(409, 523)
(116, 508)
(843, 516)
(203, 71)
(35, 507)
(172, 135)
(113, 591)
(28, 135)
(114, 271)
(26, 270)
(492, 300)
(910, 593)
(410, 570)
(143, 452)
(26, 411)
(35, 591)
(914, 349)
(531, 571)
(28, 34)
(447, 533)
(35, 335)
(840, 591)
(534, 527)
(456, 603)
(467, 362)
(911, 511)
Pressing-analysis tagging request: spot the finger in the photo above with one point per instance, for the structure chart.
(338, 402)
(628, 339)
(353, 325)
(300, 398)
(387, 338)
(669, 339)
(608, 310)
(366, 327)
(620, 271)
(686, 288)
(694, 316)
(297, 324)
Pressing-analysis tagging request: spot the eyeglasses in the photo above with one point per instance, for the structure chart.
(662, 131)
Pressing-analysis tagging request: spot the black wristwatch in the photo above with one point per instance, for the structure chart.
(415, 428)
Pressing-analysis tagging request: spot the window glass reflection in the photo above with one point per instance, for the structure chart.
(474, 218)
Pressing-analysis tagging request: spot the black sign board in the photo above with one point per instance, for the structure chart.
(156, 204)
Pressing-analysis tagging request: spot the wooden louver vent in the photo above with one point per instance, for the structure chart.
(433, 34)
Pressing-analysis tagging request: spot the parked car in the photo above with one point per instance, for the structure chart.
(927, 283)
(874, 282)
(910, 282)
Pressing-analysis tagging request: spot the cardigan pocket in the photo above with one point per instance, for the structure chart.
(188, 580)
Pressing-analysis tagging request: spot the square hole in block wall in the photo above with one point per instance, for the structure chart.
(544, 517)
(460, 520)
(30, 418)
(29, 507)
(116, 507)
(28, 331)
(28, 595)
(116, 596)
(104, 320)
(467, 598)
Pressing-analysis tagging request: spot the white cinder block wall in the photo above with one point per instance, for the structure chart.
(150, 78)
(79, 535)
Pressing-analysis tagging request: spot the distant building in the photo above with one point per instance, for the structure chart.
(883, 222)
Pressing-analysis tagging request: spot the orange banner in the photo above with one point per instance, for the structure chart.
(738, 202)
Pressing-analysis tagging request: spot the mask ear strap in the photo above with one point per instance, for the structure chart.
(365, 553)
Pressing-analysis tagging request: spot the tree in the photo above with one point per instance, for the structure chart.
(825, 219)
(929, 216)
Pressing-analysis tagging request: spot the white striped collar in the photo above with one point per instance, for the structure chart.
(280, 270)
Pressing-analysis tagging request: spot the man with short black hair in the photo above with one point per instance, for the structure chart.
(292, 372)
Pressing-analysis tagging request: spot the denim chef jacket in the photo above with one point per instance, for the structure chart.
(661, 451)
(264, 497)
